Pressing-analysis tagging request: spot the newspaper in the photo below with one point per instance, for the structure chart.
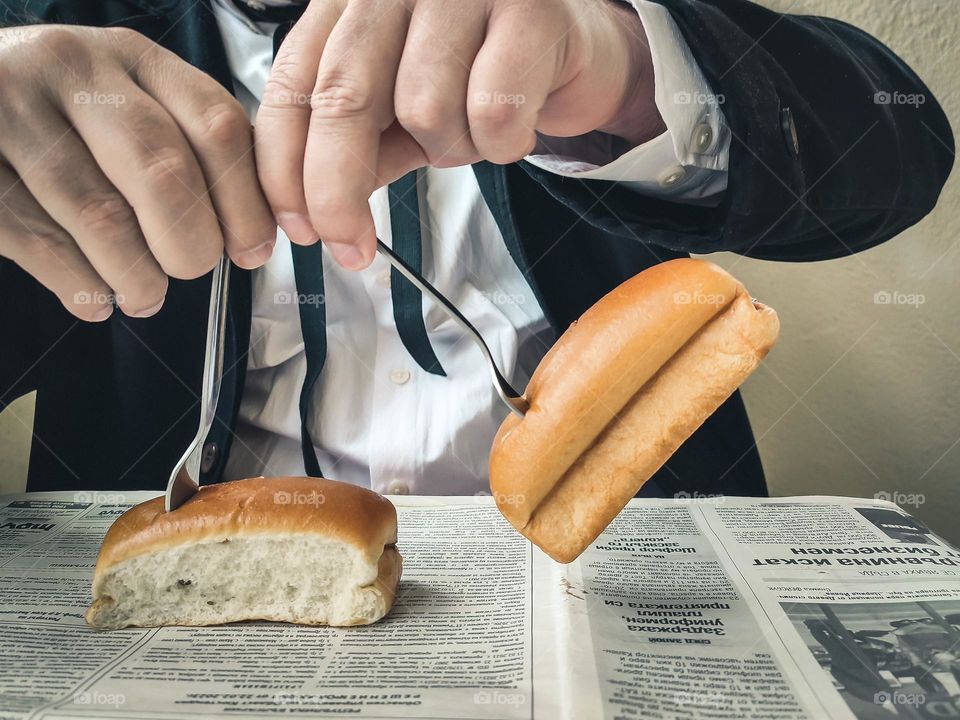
(685, 608)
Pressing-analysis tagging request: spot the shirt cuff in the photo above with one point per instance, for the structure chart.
(688, 162)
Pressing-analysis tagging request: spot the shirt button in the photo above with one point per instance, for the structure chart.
(399, 376)
(383, 279)
(397, 487)
(702, 138)
(672, 177)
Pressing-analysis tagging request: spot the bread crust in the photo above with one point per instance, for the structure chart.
(290, 505)
(618, 393)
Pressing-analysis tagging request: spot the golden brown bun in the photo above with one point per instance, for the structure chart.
(224, 542)
(350, 513)
(618, 393)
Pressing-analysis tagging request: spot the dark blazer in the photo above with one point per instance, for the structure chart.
(818, 170)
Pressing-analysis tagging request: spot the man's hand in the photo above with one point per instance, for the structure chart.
(363, 91)
(120, 166)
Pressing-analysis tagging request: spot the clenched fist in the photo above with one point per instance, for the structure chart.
(120, 166)
(363, 91)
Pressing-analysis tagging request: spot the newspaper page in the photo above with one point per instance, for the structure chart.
(672, 629)
(457, 644)
(681, 609)
(865, 598)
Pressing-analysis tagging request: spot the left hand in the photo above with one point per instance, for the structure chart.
(364, 91)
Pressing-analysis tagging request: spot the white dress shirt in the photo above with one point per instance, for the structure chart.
(377, 419)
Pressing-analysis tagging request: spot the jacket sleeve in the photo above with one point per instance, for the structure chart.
(836, 144)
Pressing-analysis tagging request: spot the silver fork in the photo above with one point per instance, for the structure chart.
(514, 400)
(185, 478)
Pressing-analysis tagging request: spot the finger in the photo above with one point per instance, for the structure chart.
(88, 208)
(145, 156)
(219, 133)
(31, 239)
(431, 89)
(510, 81)
(283, 120)
(352, 106)
(399, 154)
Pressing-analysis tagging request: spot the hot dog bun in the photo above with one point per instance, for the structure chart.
(618, 393)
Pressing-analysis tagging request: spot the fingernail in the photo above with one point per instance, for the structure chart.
(298, 228)
(149, 311)
(250, 259)
(347, 255)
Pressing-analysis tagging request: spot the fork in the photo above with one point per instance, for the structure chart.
(514, 400)
(185, 478)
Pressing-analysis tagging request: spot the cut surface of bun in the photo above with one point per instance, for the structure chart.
(300, 550)
(618, 393)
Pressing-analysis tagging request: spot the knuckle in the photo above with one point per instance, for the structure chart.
(336, 94)
(68, 44)
(282, 87)
(493, 116)
(169, 169)
(225, 124)
(421, 114)
(107, 213)
(18, 110)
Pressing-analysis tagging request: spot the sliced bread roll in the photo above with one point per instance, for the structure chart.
(297, 550)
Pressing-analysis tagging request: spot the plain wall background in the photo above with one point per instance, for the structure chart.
(859, 398)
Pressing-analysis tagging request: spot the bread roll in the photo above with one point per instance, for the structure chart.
(618, 393)
(298, 550)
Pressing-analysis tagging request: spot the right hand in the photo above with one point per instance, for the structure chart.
(121, 165)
